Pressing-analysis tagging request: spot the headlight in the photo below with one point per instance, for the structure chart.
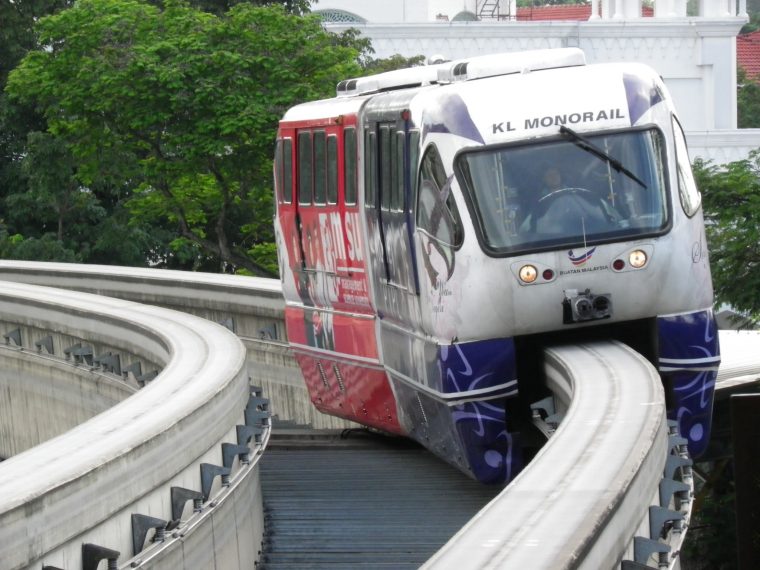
(528, 273)
(637, 259)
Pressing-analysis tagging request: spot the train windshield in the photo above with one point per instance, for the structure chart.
(575, 190)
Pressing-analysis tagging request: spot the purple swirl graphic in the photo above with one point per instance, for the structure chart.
(492, 452)
(689, 358)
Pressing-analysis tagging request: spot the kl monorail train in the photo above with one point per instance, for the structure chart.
(438, 225)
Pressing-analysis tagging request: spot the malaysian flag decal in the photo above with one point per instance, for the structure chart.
(582, 258)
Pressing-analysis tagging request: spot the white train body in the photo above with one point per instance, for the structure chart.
(501, 203)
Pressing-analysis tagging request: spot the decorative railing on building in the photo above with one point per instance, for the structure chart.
(629, 9)
(497, 10)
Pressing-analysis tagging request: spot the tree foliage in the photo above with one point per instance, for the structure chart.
(731, 198)
(220, 7)
(371, 66)
(176, 109)
(747, 101)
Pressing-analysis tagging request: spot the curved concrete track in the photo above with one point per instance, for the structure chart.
(97, 490)
(587, 493)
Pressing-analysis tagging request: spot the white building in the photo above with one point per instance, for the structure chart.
(695, 55)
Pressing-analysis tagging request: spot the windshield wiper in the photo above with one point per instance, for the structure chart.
(588, 146)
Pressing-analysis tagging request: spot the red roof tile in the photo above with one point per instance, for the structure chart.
(748, 53)
(576, 12)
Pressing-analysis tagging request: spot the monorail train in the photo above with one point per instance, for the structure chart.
(437, 225)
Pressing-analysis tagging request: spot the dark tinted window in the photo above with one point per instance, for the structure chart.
(278, 168)
(304, 168)
(320, 167)
(370, 170)
(287, 170)
(349, 166)
(385, 169)
(397, 201)
(414, 156)
(332, 169)
(562, 193)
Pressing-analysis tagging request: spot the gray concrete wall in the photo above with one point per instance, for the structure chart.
(42, 397)
(251, 306)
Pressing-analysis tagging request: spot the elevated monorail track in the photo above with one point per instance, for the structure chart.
(600, 493)
(593, 497)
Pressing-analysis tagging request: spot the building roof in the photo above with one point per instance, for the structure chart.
(748, 53)
(575, 12)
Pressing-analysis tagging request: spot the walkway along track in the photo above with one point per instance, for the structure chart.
(358, 500)
(594, 496)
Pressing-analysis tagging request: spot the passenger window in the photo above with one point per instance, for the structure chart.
(305, 165)
(320, 168)
(687, 187)
(332, 169)
(287, 170)
(397, 202)
(385, 173)
(349, 165)
(414, 156)
(278, 168)
(437, 212)
(370, 170)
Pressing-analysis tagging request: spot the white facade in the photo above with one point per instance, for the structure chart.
(696, 56)
(399, 11)
(418, 11)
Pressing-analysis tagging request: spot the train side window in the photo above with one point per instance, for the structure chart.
(320, 167)
(414, 156)
(397, 201)
(305, 165)
(385, 168)
(370, 169)
(349, 165)
(287, 170)
(332, 169)
(278, 168)
(437, 213)
(687, 187)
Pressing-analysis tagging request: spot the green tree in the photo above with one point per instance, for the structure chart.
(747, 101)
(396, 61)
(221, 6)
(54, 194)
(17, 37)
(180, 107)
(731, 198)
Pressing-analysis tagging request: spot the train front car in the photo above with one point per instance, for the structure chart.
(564, 209)
(484, 209)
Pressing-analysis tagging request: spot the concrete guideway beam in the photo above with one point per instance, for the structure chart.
(83, 486)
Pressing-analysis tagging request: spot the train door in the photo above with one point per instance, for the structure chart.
(315, 203)
(287, 224)
(389, 211)
(319, 216)
(332, 328)
(354, 289)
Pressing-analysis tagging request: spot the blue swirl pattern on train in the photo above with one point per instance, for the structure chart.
(689, 359)
(492, 452)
